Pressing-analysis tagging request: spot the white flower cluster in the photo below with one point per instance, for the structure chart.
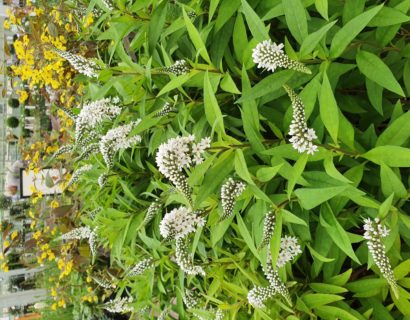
(104, 283)
(77, 174)
(102, 180)
(163, 314)
(152, 210)
(77, 234)
(119, 305)
(179, 68)
(269, 55)
(83, 233)
(179, 153)
(230, 190)
(268, 228)
(89, 150)
(190, 299)
(289, 249)
(82, 65)
(63, 149)
(302, 136)
(108, 4)
(166, 108)
(184, 259)
(374, 232)
(141, 266)
(95, 113)
(68, 112)
(180, 222)
(116, 139)
(258, 295)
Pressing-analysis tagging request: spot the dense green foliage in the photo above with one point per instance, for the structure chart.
(12, 122)
(354, 98)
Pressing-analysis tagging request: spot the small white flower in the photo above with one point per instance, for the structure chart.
(93, 114)
(166, 108)
(78, 173)
(374, 232)
(79, 63)
(269, 55)
(289, 249)
(268, 229)
(258, 295)
(117, 139)
(230, 190)
(302, 136)
(178, 154)
(180, 222)
(180, 67)
(152, 210)
(183, 258)
(83, 233)
(104, 283)
(190, 299)
(141, 266)
(119, 305)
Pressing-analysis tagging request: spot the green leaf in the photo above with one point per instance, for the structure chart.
(228, 85)
(375, 94)
(276, 238)
(267, 173)
(322, 8)
(196, 38)
(336, 231)
(243, 230)
(391, 183)
(392, 156)
(376, 70)
(350, 30)
(313, 300)
(318, 256)
(394, 133)
(327, 288)
(289, 217)
(385, 207)
(402, 270)
(388, 16)
(295, 15)
(267, 85)
(215, 175)
(332, 171)
(313, 39)
(212, 8)
(341, 279)
(312, 197)
(255, 24)
(212, 111)
(156, 24)
(297, 171)
(176, 82)
(330, 312)
(329, 111)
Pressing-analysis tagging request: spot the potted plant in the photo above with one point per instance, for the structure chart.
(12, 122)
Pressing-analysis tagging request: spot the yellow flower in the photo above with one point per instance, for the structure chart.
(6, 244)
(54, 306)
(51, 255)
(32, 225)
(53, 292)
(14, 235)
(88, 20)
(37, 235)
(23, 95)
(95, 298)
(33, 188)
(88, 279)
(61, 303)
(5, 267)
(6, 24)
(89, 289)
